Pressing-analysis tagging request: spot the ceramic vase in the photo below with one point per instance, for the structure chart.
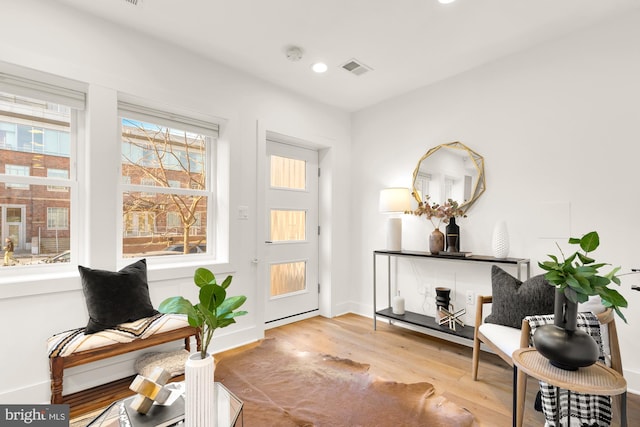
(500, 240)
(562, 343)
(200, 407)
(436, 241)
(443, 299)
(453, 236)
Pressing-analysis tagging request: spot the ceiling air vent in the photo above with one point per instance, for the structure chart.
(356, 67)
(133, 2)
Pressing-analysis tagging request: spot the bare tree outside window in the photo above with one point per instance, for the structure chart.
(165, 189)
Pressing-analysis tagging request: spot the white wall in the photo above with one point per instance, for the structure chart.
(558, 128)
(110, 60)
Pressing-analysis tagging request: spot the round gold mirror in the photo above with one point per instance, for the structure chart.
(449, 171)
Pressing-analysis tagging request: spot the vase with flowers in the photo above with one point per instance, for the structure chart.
(438, 214)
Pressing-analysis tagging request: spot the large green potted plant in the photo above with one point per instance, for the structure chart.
(576, 278)
(214, 309)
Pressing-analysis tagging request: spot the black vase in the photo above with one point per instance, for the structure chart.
(443, 298)
(562, 343)
(453, 236)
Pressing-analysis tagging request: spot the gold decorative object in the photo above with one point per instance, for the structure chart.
(150, 389)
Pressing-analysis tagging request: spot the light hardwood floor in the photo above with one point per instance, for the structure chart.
(398, 354)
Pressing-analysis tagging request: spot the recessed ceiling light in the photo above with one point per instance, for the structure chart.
(446, 1)
(319, 67)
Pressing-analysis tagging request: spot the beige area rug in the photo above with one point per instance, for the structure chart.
(281, 386)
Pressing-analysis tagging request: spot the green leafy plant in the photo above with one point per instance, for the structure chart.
(214, 310)
(578, 275)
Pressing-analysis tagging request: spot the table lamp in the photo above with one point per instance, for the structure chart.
(394, 201)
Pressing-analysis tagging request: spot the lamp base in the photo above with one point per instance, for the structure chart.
(394, 234)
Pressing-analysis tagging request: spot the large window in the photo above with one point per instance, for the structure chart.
(167, 183)
(38, 133)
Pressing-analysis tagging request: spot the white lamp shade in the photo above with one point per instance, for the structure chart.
(394, 200)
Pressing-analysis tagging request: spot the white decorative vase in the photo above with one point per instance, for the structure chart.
(200, 402)
(500, 240)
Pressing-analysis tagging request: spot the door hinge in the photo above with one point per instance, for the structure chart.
(318, 172)
(318, 287)
(318, 230)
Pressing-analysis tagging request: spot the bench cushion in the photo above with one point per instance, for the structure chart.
(76, 340)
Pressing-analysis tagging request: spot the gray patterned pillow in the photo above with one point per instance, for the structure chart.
(513, 300)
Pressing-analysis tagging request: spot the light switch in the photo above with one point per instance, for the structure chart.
(243, 212)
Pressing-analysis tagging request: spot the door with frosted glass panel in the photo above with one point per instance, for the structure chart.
(291, 252)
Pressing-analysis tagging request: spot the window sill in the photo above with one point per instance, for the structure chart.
(29, 283)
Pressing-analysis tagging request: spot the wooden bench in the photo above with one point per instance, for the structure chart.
(100, 396)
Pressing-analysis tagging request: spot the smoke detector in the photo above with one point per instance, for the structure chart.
(356, 67)
(294, 53)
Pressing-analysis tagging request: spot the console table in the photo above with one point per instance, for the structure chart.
(421, 320)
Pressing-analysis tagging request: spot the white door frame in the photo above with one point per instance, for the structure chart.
(262, 134)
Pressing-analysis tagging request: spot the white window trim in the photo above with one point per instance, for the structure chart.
(198, 124)
(72, 94)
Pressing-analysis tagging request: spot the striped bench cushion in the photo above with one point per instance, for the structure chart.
(75, 340)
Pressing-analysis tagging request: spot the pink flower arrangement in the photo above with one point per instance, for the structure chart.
(435, 211)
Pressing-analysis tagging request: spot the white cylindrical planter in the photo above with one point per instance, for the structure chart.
(500, 240)
(200, 401)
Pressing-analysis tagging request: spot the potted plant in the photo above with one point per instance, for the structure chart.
(214, 310)
(576, 278)
(438, 214)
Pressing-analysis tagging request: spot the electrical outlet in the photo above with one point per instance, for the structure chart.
(470, 298)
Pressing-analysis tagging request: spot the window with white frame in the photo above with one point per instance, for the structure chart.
(57, 218)
(57, 173)
(38, 141)
(168, 181)
(16, 170)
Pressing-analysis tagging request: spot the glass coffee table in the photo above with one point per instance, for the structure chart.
(229, 412)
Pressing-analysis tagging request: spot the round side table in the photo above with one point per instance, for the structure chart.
(595, 379)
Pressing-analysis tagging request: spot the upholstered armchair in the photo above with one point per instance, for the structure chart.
(511, 301)
(511, 304)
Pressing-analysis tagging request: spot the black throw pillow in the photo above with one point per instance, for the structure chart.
(116, 297)
(513, 300)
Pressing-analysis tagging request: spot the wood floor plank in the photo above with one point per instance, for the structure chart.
(399, 354)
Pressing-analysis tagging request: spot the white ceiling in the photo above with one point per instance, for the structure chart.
(408, 43)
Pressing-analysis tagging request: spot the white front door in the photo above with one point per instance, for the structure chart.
(291, 246)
